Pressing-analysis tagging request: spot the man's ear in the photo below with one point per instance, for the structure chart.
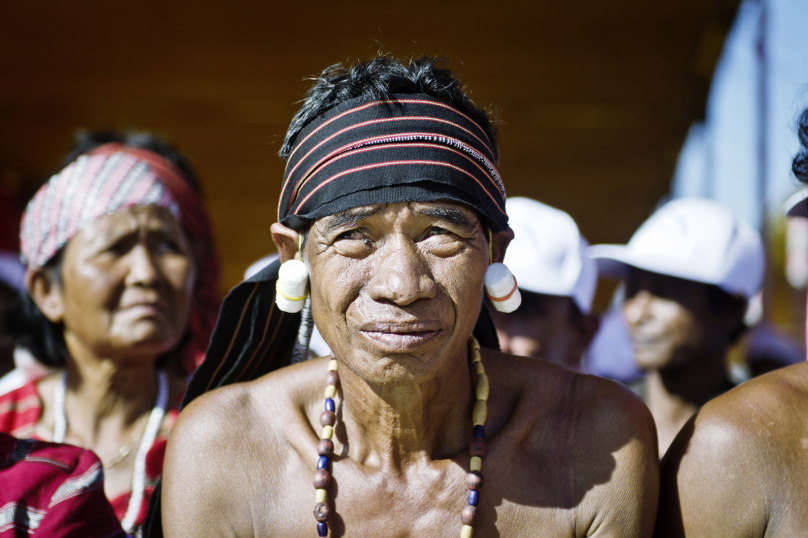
(46, 293)
(499, 243)
(286, 240)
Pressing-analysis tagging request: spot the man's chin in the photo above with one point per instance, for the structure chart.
(655, 359)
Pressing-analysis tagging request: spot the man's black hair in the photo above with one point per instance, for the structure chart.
(800, 163)
(31, 329)
(380, 78)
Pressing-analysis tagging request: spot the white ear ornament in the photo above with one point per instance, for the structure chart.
(501, 288)
(292, 286)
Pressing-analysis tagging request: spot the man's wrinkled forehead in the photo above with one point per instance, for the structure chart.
(450, 212)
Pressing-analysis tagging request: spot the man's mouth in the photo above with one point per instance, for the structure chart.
(401, 337)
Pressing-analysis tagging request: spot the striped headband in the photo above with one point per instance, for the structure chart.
(409, 148)
(113, 177)
(89, 188)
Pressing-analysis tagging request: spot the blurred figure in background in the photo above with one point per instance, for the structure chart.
(12, 284)
(611, 353)
(690, 271)
(557, 282)
(122, 280)
(738, 467)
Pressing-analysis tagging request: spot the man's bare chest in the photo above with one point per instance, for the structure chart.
(372, 502)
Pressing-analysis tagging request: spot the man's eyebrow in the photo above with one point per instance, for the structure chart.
(348, 216)
(450, 214)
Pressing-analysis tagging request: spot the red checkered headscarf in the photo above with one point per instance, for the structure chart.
(113, 177)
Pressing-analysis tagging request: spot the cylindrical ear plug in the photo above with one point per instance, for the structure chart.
(501, 288)
(292, 286)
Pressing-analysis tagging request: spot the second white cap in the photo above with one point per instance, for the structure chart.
(694, 239)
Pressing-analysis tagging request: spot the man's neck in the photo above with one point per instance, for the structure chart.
(394, 426)
(674, 394)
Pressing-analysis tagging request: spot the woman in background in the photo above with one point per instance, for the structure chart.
(122, 279)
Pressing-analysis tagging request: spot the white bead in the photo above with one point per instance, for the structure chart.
(499, 282)
(292, 286)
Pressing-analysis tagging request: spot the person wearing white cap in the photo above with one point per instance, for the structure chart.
(557, 282)
(738, 467)
(690, 271)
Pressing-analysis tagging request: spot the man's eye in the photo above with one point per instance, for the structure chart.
(353, 235)
(350, 234)
(437, 231)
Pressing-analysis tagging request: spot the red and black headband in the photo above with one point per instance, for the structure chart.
(409, 148)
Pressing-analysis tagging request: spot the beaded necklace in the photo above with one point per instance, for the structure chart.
(474, 480)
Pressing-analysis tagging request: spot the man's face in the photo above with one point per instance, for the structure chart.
(396, 288)
(670, 320)
(544, 326)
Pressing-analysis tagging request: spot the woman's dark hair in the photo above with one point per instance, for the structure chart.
(31, 329)
(380, 78)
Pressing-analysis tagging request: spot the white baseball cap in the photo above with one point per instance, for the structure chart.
(797, 204)
(548, 254)
(695, 239)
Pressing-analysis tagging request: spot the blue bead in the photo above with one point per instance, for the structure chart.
(322, 463)
(329, 405)
(322, 529)
(474, 497)
(479, 431)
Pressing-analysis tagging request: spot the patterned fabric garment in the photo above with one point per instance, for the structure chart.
(52, 490)
(20, 410)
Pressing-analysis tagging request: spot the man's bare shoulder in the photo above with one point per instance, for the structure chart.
(600, 435)
(253, 408)
(588, 402)
(227, 437)
(731, 466)
(764, 415)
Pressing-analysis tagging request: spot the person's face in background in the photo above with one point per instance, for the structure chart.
(549, 327)
(672, 321)
(7, 298)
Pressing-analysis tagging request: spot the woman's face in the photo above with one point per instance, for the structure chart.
(126, 285)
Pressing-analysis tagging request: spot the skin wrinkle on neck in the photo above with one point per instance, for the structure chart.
(397, 429)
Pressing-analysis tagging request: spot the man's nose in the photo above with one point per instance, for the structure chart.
(637, 308)
(401, 275)
(142, 269)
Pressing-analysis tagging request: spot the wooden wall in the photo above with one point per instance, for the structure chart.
(595, 97)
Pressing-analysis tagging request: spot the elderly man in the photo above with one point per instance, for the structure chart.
(689, 270)
(737, 469)
(557, 282)
(393, 201)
